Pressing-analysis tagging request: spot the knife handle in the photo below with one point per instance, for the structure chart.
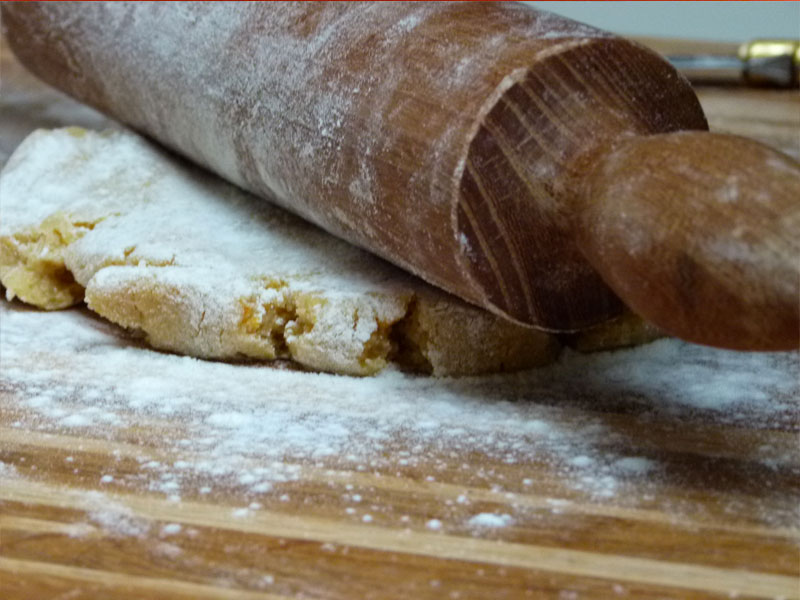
(758, 63)
(697, 232)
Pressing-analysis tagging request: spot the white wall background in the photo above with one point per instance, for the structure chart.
(722, 21)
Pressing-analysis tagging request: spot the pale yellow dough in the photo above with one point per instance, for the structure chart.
(206, 270)
(32, 263)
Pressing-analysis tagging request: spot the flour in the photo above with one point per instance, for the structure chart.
(434, 524)
(115, 518)
(634, 465)
(7, 470)
(265, 427)
(490, 520)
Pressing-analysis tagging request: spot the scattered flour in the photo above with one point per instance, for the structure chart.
(634, 465)
(581, 461)
(434, 524)
(171, 529)
(252, 430)
(7, 471)
(490, 520)
(113, 517)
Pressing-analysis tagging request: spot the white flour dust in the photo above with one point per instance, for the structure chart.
(490, 520)
(251, 427)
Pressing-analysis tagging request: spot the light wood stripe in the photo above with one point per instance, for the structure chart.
(388, 483)
(564, 103)
(603, 82)
(533, 134)
(10, 436)
(513, 251)
(535, 189)
(29, 525)
(452, 491)
(20, 568)
(537, 558)
(554, 116)
(473, 222)
(578, 114)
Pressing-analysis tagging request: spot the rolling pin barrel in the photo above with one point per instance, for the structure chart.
(465, 142)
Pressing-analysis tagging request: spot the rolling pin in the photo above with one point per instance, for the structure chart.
(545, 170)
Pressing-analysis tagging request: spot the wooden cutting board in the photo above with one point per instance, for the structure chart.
(663, 472)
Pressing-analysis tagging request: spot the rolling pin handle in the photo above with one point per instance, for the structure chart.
(699, 233)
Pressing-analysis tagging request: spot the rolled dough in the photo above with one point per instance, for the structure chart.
(204, 269)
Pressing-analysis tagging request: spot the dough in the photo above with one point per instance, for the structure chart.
(204, 269)
(626, 330)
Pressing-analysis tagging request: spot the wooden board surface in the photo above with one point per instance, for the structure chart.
(666, 472)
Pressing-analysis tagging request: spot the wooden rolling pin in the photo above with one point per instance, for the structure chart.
(527, 163)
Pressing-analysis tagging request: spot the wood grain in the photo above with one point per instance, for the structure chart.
(721, 524)
(511, 209)
(41, 548)
(574, 563)
(699, 233)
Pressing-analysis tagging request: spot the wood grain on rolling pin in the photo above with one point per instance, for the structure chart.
(450, 138)
(360, 118)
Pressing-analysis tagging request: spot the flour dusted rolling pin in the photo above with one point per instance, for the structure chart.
(529, 164)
